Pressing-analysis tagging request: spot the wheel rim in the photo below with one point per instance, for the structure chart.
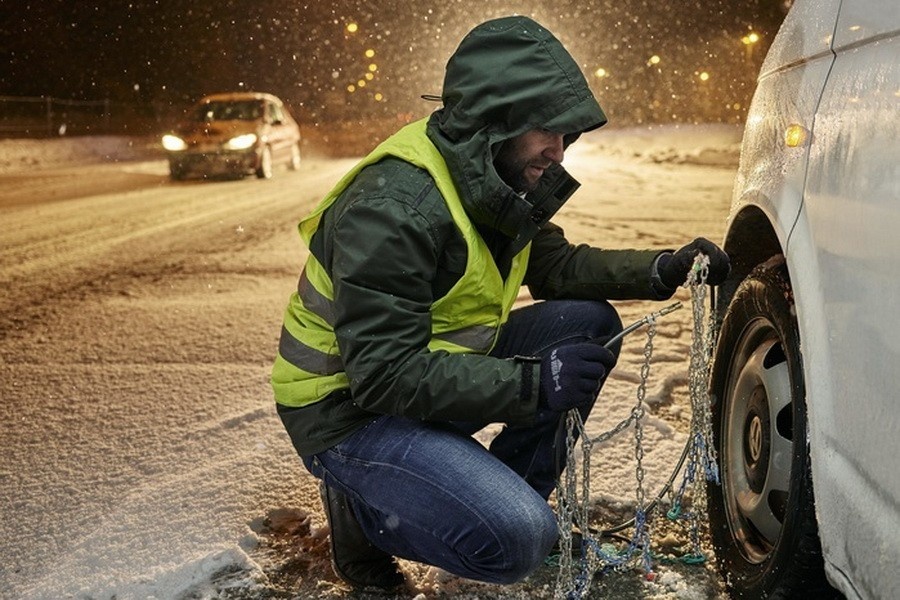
(758, 441)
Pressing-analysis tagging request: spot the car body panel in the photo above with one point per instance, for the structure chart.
(771, 175)
(851, 215)
(832, 204)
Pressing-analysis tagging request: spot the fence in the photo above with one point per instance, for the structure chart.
(44, 116)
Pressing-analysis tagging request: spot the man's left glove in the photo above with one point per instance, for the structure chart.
(673, 268)
(571, 375)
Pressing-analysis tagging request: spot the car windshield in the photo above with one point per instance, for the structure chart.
(241, 110)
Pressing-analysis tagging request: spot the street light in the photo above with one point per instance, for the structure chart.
(750, 40)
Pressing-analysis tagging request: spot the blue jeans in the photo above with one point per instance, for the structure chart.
(430, 493)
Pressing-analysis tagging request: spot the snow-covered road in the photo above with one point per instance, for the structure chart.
(140, 453)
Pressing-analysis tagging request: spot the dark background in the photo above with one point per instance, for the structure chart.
(163, 55)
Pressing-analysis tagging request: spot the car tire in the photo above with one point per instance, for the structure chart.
(176, 173)
(295, 157)
(762, 516)
(264, 170)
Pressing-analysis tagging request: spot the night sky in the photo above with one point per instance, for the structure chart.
(653, 54)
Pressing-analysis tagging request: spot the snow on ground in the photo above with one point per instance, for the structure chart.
(17, 155)
(649, 187)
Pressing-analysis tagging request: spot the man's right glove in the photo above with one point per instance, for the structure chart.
(673, 268)
(571, 375)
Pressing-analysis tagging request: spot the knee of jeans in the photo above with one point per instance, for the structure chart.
(606, 321)
(523, 544)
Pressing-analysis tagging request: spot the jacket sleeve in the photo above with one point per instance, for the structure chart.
(558, 269)
(385, 254)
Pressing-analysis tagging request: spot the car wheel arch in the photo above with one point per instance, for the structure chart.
(750, 241)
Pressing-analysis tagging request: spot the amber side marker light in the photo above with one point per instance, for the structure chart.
(796, 136)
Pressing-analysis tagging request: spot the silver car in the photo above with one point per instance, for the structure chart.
(806, 374)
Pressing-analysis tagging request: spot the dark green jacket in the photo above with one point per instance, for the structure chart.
(391, 247)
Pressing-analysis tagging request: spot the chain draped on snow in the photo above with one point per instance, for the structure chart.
(574, 500)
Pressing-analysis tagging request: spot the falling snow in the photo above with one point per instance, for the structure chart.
(648, 62)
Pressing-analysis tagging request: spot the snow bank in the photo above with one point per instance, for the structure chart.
(28, 154)
(710, 145)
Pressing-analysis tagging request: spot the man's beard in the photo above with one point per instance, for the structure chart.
(513, 174)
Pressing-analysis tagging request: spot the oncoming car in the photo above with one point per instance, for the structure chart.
(234, 134)
(806, 372)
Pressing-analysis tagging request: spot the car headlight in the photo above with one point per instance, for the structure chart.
(173, 143)
(241, 142)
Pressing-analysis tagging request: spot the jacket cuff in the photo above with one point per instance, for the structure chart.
(529, 392)
(662, 291)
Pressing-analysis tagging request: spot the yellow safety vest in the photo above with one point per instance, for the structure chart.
(466, 319)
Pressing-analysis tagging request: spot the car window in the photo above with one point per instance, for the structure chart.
(276, 113)
(217, 110)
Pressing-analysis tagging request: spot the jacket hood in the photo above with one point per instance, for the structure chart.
(508, 76)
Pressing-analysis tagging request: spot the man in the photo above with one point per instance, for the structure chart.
(401, 341)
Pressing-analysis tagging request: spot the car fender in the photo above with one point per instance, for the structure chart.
(768, 191)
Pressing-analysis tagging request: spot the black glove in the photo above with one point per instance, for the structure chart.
(673, 268)
(571, 375)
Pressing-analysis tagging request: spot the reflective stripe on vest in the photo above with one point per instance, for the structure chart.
(466, 319)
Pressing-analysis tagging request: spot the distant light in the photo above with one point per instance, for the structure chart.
(173, 143)
(750, 38)
(241, 142)
(370, 53)
(654, 60)
(351, 88)
(601, 72)
(369, 77)
(373, 67)
(378, 97)
(352, 27)
(361, 83)
(704, 76)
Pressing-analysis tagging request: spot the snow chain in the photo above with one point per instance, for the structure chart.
(574, 580)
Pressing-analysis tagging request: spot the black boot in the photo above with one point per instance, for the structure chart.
(353, 558)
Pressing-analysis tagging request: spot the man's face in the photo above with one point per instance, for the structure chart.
(522, 159)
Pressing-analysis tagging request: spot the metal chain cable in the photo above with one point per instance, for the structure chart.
(574, 583)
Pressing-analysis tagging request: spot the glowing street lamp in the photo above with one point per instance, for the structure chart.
(750, 40)
(601, 72)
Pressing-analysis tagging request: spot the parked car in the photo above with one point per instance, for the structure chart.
(234, 134)
(806, 374)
